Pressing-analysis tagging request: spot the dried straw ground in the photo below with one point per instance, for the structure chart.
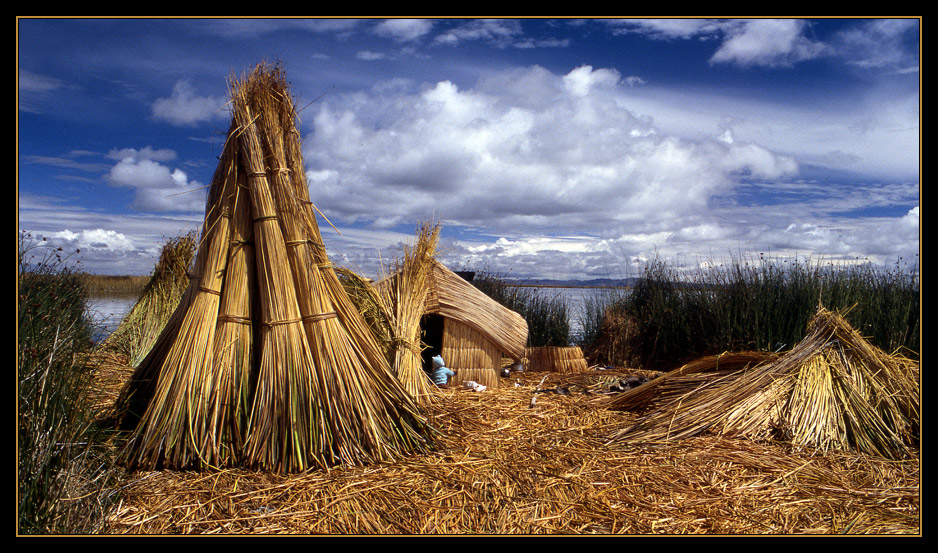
(505, 466)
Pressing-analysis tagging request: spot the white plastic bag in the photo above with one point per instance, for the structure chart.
(473, 385)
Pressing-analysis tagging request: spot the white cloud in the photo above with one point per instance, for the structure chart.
(498, 32)
(158, 187)
(558, 150)
(526, 153)
(369, 55)
(878, 43)
(185, 108)
(767, 42)
(744, 42)
(32, 82)
(667, 29)
(404, 30)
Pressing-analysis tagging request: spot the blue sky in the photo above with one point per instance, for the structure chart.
(554, 148)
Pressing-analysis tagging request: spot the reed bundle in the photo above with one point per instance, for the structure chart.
(363, 294)
(266, 363)
(662, 389)
(561, 359)
(831, 391)
(403, 296)
(162, 292)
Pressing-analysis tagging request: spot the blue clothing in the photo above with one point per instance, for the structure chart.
(441, 374)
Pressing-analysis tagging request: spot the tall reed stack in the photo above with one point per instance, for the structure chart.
(266, 363)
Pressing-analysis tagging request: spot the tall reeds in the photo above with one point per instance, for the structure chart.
(64, 470)
(266, 363)
(672, 316)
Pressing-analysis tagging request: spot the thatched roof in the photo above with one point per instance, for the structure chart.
(833, 390)
(454, 297)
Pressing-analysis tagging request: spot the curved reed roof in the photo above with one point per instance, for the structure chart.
(452, 296)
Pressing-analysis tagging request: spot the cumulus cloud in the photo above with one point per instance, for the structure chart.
(526, 152)
(767, 42)
(185, 108)
(158, 187)
(404, 30)
(553, 150)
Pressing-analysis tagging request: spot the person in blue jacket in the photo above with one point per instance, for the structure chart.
(440, 373)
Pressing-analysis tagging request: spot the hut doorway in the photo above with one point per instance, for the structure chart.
(431, 327)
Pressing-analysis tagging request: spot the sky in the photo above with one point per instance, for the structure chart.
(545, 148)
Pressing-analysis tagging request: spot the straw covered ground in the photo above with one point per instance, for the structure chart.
(510, 465)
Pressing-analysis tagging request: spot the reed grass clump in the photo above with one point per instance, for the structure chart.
(832, 391)
(63, 468)
(267, 363)
(403, 297)
(672, 316)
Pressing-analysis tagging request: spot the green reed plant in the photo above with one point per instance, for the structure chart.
(761, 304)
(61, 459)
(593, 313)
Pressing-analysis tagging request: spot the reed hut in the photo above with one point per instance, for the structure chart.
(832, 391)
(266, 363)
(471, 331)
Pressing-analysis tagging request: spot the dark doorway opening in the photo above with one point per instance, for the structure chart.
(431, 327)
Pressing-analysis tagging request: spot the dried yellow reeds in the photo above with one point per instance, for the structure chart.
(403, 296)
(170, 381)
(504, 467)
(454, 298)
(833, 390)
(364, 296)
(466, 348)
(268, 363)
(670, 385)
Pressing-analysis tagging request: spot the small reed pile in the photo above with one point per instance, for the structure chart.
(267, 364)
(161, 295)
(833, 391)
(565, 360)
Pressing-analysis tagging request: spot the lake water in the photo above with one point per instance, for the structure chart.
(107, 314)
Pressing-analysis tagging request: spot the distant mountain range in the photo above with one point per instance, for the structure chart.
(573, 283)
